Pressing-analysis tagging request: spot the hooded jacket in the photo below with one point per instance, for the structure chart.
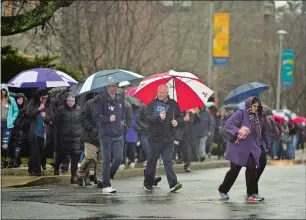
(33, 112)
(13, 108)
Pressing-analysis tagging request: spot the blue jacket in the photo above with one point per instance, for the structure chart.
(106, 106)
(13, 108)
(131, 135)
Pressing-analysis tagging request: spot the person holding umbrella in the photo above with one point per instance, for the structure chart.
(163, 115)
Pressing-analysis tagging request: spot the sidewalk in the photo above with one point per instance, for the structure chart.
(18, 177)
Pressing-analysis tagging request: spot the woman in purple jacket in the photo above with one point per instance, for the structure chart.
(247, 125)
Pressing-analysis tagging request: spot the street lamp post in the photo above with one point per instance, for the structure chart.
(210, 45)
(281, 34)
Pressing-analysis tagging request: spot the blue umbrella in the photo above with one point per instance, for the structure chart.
(243, 92)
(98, 81)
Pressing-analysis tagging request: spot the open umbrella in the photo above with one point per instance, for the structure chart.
(41, 78)
(185, 88)
(299, 120)
(131, 91)
(285, 113)
(101, 79)
(244, 91)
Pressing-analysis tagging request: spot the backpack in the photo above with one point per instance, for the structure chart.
(228, 136)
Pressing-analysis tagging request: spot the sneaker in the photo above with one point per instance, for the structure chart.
(87, 182)
(147, 188)
(80, 181)
(99, 185)
(202, 159)
(176, 187)
(187, 169)
(122, 167)
(157, 180)
(132, 165)
(255, 198)
(109, 190)
(224, 196)
(144, 164)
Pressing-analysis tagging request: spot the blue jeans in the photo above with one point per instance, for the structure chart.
(273, 149)
(5, 133)
(166, 152)
(144, 141)
(290, 150)
(295, 142)
(110, 147)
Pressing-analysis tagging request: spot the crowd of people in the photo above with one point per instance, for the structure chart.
(110, 132)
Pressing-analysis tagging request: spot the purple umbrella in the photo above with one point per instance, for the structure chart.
(41, 78)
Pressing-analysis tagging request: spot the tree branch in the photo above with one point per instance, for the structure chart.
(11, 25)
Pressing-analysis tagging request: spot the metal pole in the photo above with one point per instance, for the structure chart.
(210, 44)
(278, 94)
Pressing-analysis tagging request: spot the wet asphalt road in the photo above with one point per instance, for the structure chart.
(282, 187)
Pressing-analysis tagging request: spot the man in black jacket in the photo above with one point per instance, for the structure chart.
(161, 132)
(91, 144)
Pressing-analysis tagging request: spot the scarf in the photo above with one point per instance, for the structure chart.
(253, 117)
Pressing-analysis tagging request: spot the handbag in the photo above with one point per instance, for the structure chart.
(228, 136)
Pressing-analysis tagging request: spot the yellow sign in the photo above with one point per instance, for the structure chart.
(221, 34)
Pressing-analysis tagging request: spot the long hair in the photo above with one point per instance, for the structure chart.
(39, 93)
(6, 97)
(260, 108)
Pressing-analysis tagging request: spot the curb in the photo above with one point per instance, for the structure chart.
(121, 174)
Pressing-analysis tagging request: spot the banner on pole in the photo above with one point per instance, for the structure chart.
(287, 67)
(221, 39)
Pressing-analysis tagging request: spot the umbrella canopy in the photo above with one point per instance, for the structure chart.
(210, 104)
(244, 91)
(101, 79)
(285, 113)
(41, 78)
(299, 120)
(131, 91)
(279, 119)
(185, 88)
(133, 101)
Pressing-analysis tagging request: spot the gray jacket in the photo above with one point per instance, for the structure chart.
(204, 124)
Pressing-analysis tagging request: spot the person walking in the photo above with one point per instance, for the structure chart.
(220, 122)
(9, 112)
(92, 150)
(40, 111)
(245, 151)
(110, 109)
(163, 115)
(67, 135)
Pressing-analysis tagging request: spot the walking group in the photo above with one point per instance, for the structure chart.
(108, 130)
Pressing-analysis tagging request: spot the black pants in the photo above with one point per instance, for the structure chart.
(250, 177)
(177, 150)
(262, 164)
(166, 152)
(186, 148)
(37, 156)
(131, 151)
(74, 162)
(221, 147)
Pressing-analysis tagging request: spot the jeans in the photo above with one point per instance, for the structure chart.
(145, 144)
(202, 147)
(131, 151)
(250, 177)
(290, 150)
(166, 152)
(5, 133)
(110, 147)
(273, 149)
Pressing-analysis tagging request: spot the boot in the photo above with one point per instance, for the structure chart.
(74, 180)
(87, 180)
(16, 158)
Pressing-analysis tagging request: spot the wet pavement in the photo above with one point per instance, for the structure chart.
(282, 187)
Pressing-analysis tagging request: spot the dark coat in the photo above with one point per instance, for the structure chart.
(162, 130)
(33, 112)
(142, 121)
(68, 129)
(89, 122)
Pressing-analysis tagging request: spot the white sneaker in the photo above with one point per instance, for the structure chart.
(79, 165)
(176, 187)
(122, 167)
(132, 165)
(144, 164)
(109, 190)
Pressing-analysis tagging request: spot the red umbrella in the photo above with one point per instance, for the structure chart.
(278, 118)
(131, 91)
(185, 88)
(298, 120)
